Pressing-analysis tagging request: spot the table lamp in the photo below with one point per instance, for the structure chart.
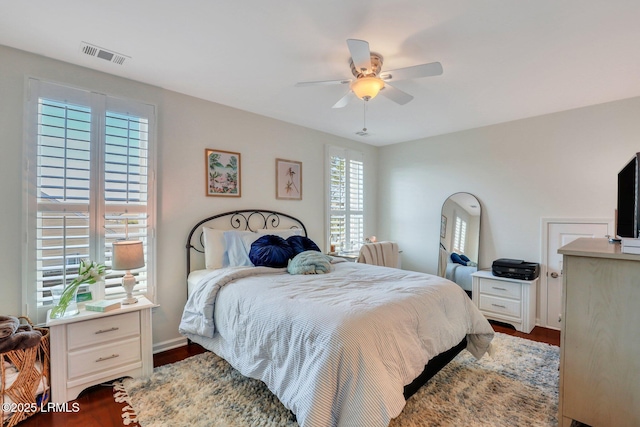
(127, 255)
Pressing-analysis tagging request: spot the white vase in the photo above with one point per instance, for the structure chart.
(97, 290)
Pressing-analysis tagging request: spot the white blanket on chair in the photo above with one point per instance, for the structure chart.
(379, 253)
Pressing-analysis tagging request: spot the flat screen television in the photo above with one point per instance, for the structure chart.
(627, 209)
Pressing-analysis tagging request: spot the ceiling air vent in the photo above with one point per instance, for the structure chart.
(107, 55)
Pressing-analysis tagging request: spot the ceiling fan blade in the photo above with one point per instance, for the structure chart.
(395, 94)
(414, 72)
(360, 54)
(323, 83)
(344, 100)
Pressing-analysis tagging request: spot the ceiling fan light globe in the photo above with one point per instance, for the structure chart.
(367, 87)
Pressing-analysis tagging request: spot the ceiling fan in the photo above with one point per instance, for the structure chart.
(366, 67)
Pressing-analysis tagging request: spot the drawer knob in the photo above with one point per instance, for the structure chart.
(102, 331)
(102, 359)
(500, 289)
(498, 305)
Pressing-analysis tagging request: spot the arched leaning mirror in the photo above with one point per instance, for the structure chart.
(459, 239)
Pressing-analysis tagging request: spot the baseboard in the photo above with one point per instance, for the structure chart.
(169, 344)
(540, 325)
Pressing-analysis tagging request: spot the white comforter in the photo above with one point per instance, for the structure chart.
(337, 349)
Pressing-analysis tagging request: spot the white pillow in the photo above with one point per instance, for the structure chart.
(285, 233)
(238, 245)
(214, 247)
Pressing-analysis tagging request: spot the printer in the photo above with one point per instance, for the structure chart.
(515, 269)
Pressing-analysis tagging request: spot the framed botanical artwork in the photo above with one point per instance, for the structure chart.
(443, 226)
(288, 179)
(222, 170)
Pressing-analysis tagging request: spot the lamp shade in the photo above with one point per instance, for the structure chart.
(367, 87)
(127, 255)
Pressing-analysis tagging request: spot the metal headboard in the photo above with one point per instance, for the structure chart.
(245, 219)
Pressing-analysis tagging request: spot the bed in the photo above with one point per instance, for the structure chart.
(460, 274)
(344, 348)
(458, 271)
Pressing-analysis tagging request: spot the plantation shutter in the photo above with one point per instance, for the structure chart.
(356, 204)
(460, 235)
(63, 191)
(126, 184)
(88, 184)
(338, 201)
(346, 199)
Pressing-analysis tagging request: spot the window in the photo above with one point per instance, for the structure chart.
(460, 235)
(346, 199)
(89, 183)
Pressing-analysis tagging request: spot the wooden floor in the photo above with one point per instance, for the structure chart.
(98, 408)
(550, 336)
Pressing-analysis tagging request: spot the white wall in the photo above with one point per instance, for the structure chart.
(186, 126)
(561, 165)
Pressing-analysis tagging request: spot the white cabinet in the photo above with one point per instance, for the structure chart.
(506, 300)
(92, 348)
(599, 347)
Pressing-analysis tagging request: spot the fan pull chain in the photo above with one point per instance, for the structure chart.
(364, 116)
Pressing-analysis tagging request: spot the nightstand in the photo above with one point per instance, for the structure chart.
(91, 348)
(349, 256)
(506, 300)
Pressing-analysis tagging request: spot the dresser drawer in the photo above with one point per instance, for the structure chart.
(92, 332)
(499, 305)
(95, 359)
(501, 288)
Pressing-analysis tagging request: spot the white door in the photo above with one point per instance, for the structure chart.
(558, 234)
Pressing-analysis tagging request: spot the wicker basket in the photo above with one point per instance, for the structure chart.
(33, 368)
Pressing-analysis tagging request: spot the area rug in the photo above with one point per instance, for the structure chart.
(517, 386)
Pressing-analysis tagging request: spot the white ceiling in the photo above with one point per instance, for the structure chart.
(503, 59)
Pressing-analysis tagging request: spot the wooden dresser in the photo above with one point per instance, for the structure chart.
(600, 338)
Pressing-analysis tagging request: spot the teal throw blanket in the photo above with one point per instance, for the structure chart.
(310, 262)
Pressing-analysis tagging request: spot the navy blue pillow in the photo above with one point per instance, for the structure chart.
(456, 258)
(270, 251)
(301, 244)
(464, 258)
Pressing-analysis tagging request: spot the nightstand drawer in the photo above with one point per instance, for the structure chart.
(500, 306)
(91, 332)
(501, 288)
(95, 359)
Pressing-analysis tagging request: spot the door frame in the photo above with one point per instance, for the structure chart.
(544, 228)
